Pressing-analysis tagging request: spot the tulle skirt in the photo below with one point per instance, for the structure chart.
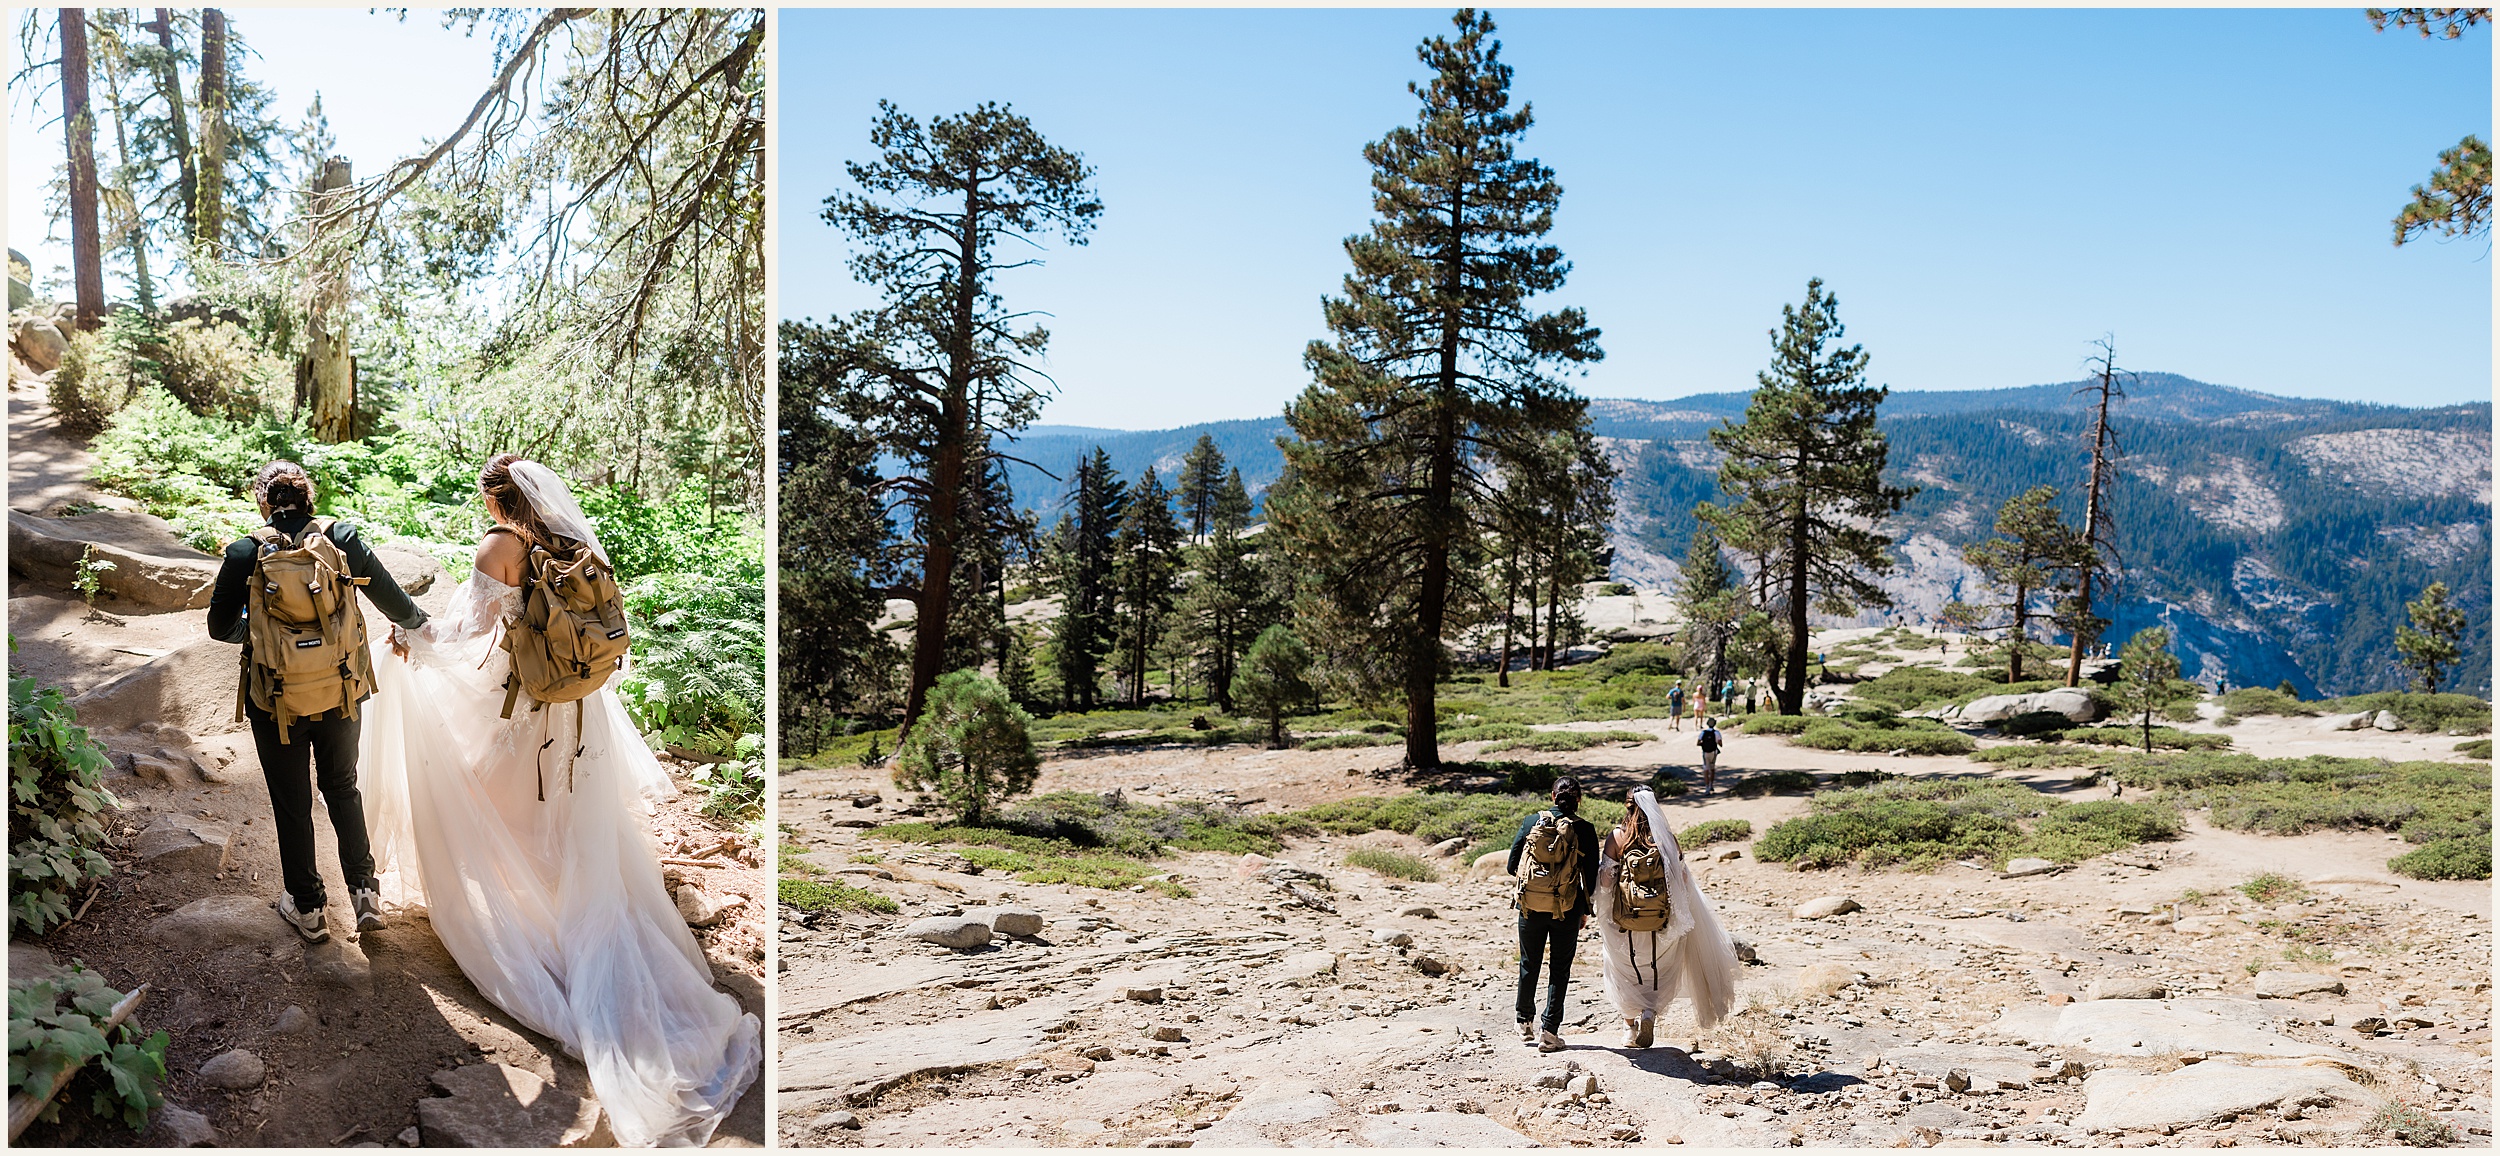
(554, 908)
(1646, 970)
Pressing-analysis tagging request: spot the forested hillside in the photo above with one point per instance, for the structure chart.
(2279, 538)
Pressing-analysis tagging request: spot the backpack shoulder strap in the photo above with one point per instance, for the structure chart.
(267, 536)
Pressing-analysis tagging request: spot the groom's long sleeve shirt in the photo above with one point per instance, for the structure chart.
(227, 602)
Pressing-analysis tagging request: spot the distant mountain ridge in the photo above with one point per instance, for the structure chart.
(2279, 537)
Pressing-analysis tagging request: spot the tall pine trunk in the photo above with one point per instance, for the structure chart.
(1792, 687)
(946, 475)
(78, 121)
(1423, 644)
(209, 219)
(1510, 601)
(326, 379)
(178, 119)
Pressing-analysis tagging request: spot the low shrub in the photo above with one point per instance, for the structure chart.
(2028, 757)
(2032, 724)
(1607, 702)
(2461, 714)
(2256, 700)
(1345, 742)
(1636, 658)
(1557, 742)
(825, 895)
(2475, 748)
(2272, 887)
(1934, 820)
(2411, 1126)
(2424, 801)
(1773, 782)
(1392, 864)
(1711, 831)
(1908, 688)
(2164, 738)
(1486, 732)
(2462, 858)
(1777, 724)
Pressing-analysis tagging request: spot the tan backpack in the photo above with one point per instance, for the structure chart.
(306, 652)
(570, 635)
(1549, 875)
(1641, 889)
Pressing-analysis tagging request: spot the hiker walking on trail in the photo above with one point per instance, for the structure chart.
(509, 794)
(1709, 742)
(1555, 860)
(1675, 706)
(287, 592)
(1657, 935)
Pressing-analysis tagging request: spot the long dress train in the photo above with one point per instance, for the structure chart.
(1691, 956)
(555, 909)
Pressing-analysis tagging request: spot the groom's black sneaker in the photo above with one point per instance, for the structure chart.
(368, 909)
(313, 925)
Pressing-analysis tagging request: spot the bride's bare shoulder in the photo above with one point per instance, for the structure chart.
(499, 555)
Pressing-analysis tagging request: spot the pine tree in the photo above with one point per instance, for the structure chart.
(1231, 593)
(940, 367)
(1274, 678)
(975, 747)
(836, 553)
(86, 244)
(1807, 466)
(1085, 545)
(1147, 557)
(1437, 370)
(2148, 677)
(1712, 602)
(2034, 553)
(2430, 643)
(1202, 475)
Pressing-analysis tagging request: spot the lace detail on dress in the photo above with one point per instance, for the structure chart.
(461, 635)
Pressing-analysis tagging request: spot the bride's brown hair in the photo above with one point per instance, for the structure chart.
(505, 499)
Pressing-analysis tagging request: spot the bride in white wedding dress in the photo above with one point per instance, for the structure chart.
(555, 909)
(1690, 956)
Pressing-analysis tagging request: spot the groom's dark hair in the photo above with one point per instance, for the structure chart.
(1567, 793)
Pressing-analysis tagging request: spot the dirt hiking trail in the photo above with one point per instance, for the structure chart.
(372, 1040)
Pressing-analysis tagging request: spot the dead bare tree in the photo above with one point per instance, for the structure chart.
(2099, 529)
(86, 245)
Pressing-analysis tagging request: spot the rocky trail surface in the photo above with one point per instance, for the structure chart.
(366, 1040)
(2134, 999)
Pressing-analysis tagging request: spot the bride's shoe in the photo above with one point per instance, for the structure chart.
(1647, 1033)
(1632, 1035)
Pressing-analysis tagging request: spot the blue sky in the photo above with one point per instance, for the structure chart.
(388, 89)
(1987, 192)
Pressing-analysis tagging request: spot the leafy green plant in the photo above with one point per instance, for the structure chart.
(56, 1024)
(733, 791)
(1392, 864)
(2468, 857)
(1344, 742)
(2411, 1126)
(2475, 748)
(1933, 820)
(823, 895)
(89, 582)
(1552, 742)
(1711, 831)
(57, 806)
(2461, 714)
(1773, 782)
(698, 663)
(2272, 887)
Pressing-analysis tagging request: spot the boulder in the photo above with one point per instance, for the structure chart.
(152, 571)
(2131, 987)
(2121, 1100)
(1306, 965)
(2153, 1028)
(339, 963)
(1392, 937)
(1826, 907)
(29, 962)
(2387, 721)
(2075, 703)
(1142, 994)
(1448, 847)
(204, 925)
(179, 1127)
(1744, 949)
(1429, 965)
(2332, 723)
(293, 1020)
(703, 909)
(1489, 864)
(1166, 1033)
(829, 1121)
(1420, 911)
(955, 931)
(2018, 868)
(191, 688)
(39, 344)
(1995, 708)
(235, 1071)
(180, 843)
(1013, 920)
(2295, 984)
(501, 1106)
